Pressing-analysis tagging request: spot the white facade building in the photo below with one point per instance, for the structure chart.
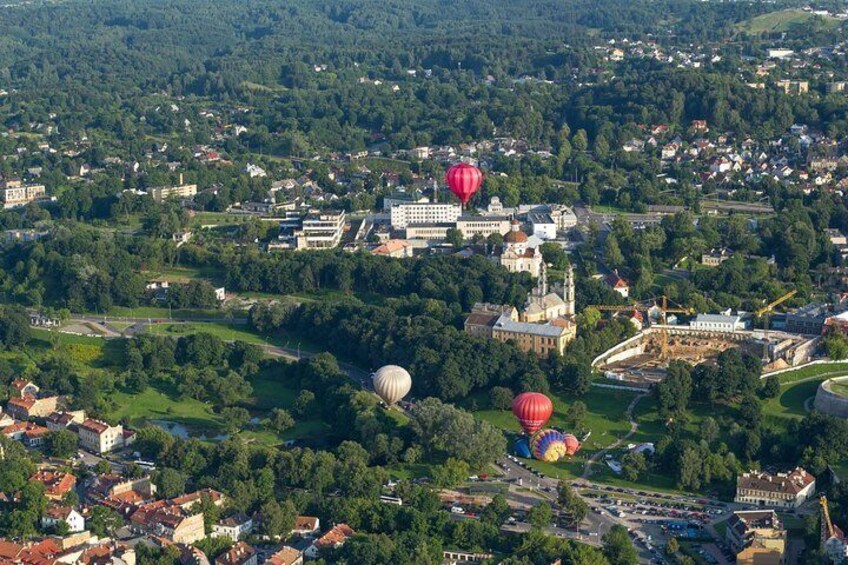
(544, 226)
(717, 323)
(403, 215)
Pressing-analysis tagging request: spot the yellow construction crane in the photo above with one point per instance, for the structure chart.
(827, 525)
(645, 306)
(774, 303)
(765, 310)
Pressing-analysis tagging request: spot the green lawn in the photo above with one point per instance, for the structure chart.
(831, 369)
(157, 312)
(790, 402)
(605, 419)
(232, 332)
(785, 20)
(154, 404)
(95, 352)
(840, 388)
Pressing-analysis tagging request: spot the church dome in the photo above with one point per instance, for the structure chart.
(515, 235)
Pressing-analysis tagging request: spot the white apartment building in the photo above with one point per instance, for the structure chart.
(482, 225)
(321, 230)
(99, 437)
(403, 215)
(162, 193)
(13, 193)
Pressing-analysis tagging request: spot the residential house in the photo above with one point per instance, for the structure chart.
(99, 437)
(164, 519)
(24, 387)
(395, 248)
(120, 494)
(239, 554)
(333, 539)
(757, 537)
(29, 433)
(716, 256)
(189, 500)
(287, 555)
(618, 284)
(233, 527)
(56, 483)
(63, 420)
(26, 407)
(782, 490)
(67, 514)
(306, 526)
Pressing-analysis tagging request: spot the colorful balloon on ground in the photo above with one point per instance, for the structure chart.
(391, 383)
(533, 410)
(522, 448)
(548, 446)
(464, 180)
(572, 444)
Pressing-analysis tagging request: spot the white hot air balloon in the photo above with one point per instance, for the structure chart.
(391, 383)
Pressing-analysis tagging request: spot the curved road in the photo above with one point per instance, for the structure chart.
(634, 426)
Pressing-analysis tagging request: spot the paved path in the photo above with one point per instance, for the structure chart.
(634, 426)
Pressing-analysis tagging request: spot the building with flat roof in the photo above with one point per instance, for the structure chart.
(13, 193)
(544, 226)
(485, 226)
(403, 215)
(809, 319)
(321, 230)
(162, 193)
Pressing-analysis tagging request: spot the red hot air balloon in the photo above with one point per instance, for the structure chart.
(464, 180)
(572, 444)
(533, 410)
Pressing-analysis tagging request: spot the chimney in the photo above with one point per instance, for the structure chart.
(181, 179)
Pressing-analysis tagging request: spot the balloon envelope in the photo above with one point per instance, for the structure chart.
(572, 444)
(464, 180)
(533, 410)
(391, 383)
(522, 448)
(548, 445)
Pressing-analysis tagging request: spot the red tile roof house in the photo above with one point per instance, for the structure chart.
(333, 539)
(164, 519)
(240, 554)
(56, 484)
(24, 387)
(27, 432)
(28, 406)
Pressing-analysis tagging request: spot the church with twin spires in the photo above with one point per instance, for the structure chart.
(545, 325)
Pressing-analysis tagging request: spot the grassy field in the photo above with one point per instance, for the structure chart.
(785, 20)
(232, 332)
(840, 388)
(270, 390)
(156, 312)
(830, 369)
(605, 419)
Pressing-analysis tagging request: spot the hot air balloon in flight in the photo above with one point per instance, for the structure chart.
(548, 446)
(391, 383)
(464, 180)
(572, 444)
(533, 410)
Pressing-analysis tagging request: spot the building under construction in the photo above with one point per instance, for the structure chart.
(643, 359)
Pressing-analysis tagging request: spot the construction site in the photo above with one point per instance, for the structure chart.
(643, 359)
